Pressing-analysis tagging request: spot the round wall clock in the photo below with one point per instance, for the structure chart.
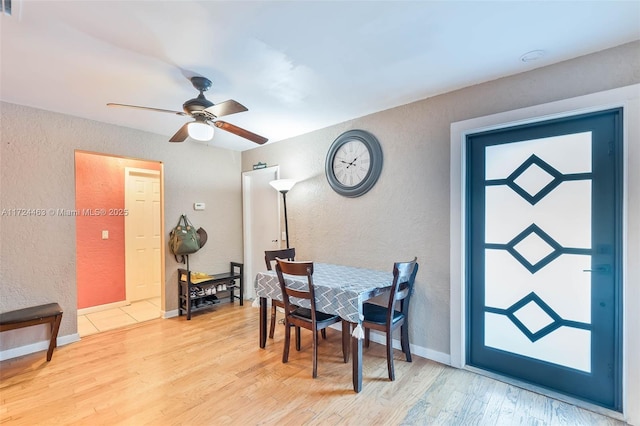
(354, 163)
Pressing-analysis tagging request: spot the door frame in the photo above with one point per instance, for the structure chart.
(627, 98)
(247, 230)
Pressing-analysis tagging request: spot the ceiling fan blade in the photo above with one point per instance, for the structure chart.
(226, 108)
(240, 132)
(147, 108)
(181, 134)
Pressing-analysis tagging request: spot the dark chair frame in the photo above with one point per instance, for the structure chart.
(386, 318)
(269, 258)
(299, 317)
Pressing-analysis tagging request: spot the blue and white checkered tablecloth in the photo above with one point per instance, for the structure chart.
(340, 290)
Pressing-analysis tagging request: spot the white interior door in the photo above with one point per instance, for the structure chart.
(142, 234)
(261, 221)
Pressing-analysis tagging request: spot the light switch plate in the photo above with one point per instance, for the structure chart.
(105, 235)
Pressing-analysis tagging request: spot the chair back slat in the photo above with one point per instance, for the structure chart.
(304, 269)
(271, 255)
(404, 276)
(403, 291)
(300, 294)
(292, 267)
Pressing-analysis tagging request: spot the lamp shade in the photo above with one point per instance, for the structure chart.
(283, 185)
(200, 131)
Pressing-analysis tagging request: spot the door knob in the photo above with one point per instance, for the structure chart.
(600, 268)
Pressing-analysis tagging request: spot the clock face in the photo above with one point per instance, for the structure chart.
(354, 163)
(351, 163)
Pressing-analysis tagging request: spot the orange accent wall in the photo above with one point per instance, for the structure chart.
(100, 264)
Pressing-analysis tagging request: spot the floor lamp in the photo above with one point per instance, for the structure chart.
(283, 186)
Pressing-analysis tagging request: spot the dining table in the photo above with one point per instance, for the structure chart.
(340, 290)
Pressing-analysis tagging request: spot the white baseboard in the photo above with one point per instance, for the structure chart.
(420, 351)
(170, 314)
(37, 347)
(65, 340)
(376, 337)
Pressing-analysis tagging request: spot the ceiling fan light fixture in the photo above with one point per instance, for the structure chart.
(200, 131)
(203, 112)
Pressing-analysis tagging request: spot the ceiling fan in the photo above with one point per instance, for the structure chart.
(204, 112)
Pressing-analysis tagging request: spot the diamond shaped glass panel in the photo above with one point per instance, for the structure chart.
(533, 248)
(533, 180)
(533, 317)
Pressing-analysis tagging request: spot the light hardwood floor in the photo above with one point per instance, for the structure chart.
(210, 371)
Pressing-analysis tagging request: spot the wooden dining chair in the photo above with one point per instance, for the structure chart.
(387, 318)
(299, 317)
(270, 258)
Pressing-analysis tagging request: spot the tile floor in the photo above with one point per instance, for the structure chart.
(109, 319)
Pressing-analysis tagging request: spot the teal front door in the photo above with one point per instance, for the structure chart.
(544, 254)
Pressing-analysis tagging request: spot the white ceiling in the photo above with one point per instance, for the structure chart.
(296, 65)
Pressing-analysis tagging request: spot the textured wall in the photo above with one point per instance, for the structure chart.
(37, 253)
(406, 214)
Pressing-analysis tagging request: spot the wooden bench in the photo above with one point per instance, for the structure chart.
(51, 313)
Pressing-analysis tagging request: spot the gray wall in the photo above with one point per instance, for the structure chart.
(406, 214)
(37, 253)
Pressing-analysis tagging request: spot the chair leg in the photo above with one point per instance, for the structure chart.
(324, 333)
(315, 353)
(404, 340)
(297, 338)
(367, 335)
(272, 327)
(287, 341)
(392, 375)
(53, 343)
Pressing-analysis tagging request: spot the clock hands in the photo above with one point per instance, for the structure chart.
(349, 164)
